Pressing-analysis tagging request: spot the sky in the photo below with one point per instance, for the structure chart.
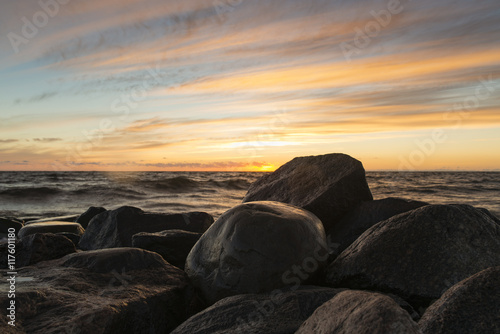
(247, 85)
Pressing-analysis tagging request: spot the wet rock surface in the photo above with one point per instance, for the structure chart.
(106, 291)
(51, 227)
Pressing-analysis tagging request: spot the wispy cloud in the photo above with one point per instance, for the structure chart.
(47, 140)
(210, 85)
(35, 99)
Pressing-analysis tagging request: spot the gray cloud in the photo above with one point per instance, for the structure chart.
(47, 140)
(36, 98)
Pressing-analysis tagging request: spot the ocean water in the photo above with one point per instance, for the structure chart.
(49, 194)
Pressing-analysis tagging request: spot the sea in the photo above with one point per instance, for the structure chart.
(51, 194)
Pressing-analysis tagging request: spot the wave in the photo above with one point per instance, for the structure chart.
(179, 183)
(28, 192)
(231, 184)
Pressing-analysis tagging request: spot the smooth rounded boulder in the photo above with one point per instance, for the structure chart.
(326, 185)
(420, 254)
(51, 227)
(471, 306)
(359, 312)
(115, 228)
(257, 247)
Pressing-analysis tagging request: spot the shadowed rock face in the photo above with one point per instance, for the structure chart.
(85, 218)
(470, 306)
(359, 312)
(173, 245)
(50, 227)
(277, 313)
(419, 254)
(7, 223)
(257, 247)
(327, 185)
(115, 228)
(39, 247)
(364, 216)
(106, 291)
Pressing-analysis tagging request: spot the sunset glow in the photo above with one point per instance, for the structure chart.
(249, 85)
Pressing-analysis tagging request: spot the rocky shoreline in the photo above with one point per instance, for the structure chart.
(308, 251)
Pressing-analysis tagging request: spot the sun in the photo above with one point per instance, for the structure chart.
(267, 168)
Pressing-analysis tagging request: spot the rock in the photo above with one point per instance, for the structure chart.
(114, 259)
(39, 247)
(173, 245)
(489, 214)
(67, 219)
(85, 218)
(50, 227)
(364, 216)
(257, 247)
(279, 312)
(327, 185)
(106, 291)
(419, 254)
(359, 312)
(7, 223)
(115, 228)
(75, 238)
(470, 306)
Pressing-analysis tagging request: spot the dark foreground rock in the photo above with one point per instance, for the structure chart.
(364, 216)
(122, 290)
(39, 247)
(418, 255)
(257, 247)
(115, 228)
(8, 223)
(278, 313)
(85, 218)
(173, 245)
(359, 312)
(471, 306)
(327, 185)
(50, 227)
(75, 238)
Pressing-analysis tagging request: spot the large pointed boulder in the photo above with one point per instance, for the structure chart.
(327, 185)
